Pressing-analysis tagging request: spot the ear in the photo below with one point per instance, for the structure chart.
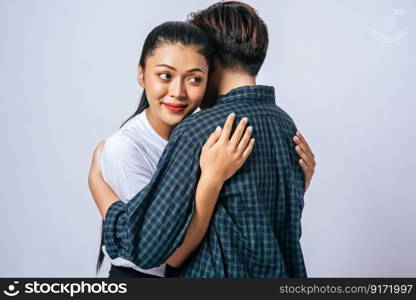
(140, 76)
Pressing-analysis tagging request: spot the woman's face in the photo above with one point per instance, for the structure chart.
(175, 77)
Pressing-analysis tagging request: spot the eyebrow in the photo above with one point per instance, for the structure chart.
(189, 71)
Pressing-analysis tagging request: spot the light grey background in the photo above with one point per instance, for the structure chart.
(344, 70)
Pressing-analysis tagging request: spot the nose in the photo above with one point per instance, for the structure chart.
(177, 89)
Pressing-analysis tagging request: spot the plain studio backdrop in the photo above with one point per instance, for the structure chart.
(344, 70)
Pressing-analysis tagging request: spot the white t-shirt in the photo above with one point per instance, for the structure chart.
(128, 162)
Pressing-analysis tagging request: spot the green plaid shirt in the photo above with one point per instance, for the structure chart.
(256, 226)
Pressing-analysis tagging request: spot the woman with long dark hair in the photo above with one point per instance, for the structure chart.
(173, 70)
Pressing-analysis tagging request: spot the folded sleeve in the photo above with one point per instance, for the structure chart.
(147, 229)
(293, 178)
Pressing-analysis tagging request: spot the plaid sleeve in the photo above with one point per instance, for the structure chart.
(114, 222)
(149, 228)
(290, 243)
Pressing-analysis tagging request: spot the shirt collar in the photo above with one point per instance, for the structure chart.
(253, 92)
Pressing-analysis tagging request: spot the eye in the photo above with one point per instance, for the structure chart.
(165, 76)
(195, 80)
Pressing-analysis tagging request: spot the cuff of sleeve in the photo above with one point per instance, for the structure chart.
(172, 271)
(114, 229)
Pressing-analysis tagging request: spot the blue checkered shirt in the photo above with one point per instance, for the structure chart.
(255, 230)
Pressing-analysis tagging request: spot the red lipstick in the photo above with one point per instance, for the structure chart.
(175, 107)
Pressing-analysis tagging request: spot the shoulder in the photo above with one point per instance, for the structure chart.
(127, 139)
(122, 160)
(286, 121)
(121, 149)
(197, 125)
(283, 114)
(118, 144)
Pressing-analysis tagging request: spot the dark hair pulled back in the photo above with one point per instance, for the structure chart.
(172, 32)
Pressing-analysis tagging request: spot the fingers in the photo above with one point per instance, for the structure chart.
(306, 157)
(300, 143)
(303, 165)
(304, 151)
(236, 137)
(226, 131)
(300, 140)
(213, 138)
(248, 150)
(307, 171)
(245, 140)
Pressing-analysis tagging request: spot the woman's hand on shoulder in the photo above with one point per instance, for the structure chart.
(222, 155)
(307, 158)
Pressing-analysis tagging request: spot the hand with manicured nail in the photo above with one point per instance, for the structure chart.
(223, 155)
(307, 158)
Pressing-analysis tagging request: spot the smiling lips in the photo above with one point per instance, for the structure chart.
(175, 107)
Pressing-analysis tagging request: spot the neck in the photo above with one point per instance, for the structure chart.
(161, 128)
(229, 80)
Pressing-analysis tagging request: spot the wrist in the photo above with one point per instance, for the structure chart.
(214, 182)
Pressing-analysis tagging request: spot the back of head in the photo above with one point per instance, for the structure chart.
(239, 33)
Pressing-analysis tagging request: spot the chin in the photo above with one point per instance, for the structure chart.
(173, 120)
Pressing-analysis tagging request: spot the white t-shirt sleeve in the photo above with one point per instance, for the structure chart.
(124, 167)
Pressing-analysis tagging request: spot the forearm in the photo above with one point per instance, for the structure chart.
(206, 196)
